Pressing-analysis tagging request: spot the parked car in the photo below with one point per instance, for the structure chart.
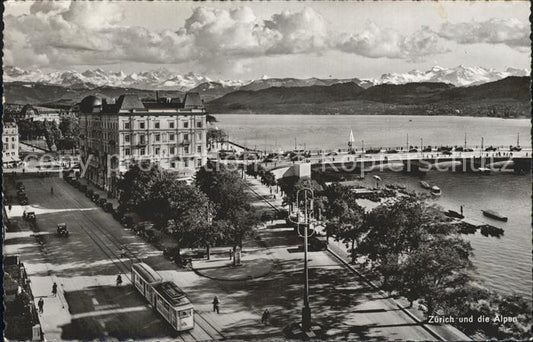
(127, 221)
(391, 151)
(108, 207)
(30, 216)
(101, 202)
(62, 230)
(95, 198)
(427, 149)
(413, 150)
(23, 199)
(490, 149)
(89, 193)
(447, 153)
(118, 215)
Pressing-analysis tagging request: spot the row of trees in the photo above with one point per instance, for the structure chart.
(64, 136)
(421, 256)
(214, 211)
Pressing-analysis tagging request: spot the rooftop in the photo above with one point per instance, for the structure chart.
(131, 103)
(147, 272)
(171, 293)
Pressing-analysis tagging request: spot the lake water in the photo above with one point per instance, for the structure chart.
(503, 264)
(332, 131)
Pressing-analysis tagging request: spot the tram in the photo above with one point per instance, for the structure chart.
(165, 296)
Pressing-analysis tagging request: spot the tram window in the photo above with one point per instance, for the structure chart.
(185, 313)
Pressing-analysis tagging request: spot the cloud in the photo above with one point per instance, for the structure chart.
(377, 42)
(57, 33)
(511, 32)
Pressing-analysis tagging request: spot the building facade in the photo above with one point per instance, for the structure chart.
(168, 133)
(10, 151)
(36, 113)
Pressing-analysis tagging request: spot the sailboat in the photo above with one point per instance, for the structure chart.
(351, 140)
(517, 148)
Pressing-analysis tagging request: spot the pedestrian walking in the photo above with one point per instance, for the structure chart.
(119, 280)
(265, 317)
(54, 289)
(230, 253)
(216, 304)
(9, 206)
(40, 304)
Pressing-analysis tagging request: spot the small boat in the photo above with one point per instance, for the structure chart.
(425, 185)
(454, 214)
(435, 191)
(484, 170)
(494, 215)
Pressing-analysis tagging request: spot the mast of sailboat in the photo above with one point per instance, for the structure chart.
(465, 140)
(351, 139)
(407, 144)
(518, 140)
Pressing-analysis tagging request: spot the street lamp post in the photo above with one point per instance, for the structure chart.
(308, 210)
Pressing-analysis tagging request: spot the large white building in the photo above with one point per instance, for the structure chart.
(10, 151)
(166, 132)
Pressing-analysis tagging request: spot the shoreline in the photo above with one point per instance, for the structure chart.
(525, 117)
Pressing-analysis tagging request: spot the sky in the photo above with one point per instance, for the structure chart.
(246, 40)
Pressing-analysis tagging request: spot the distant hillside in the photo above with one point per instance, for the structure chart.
(508, 97)
(213, 90)
(296, 82)
(58, 96)
(247, 99)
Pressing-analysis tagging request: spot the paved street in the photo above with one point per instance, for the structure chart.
(90, 306)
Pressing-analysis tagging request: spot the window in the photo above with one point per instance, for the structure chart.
(199, 148)
(157, 150)
(127, 151)
(199, 135)
(156, 124)
(143, 151)
(186, 163)
(13, 139)
(171, 137)
(172, 150)
(13, 146)
(142, 139)
(171, 124)
(185, 137)
(186, 149)
(6, 146)
(173, 165)
(126, 125)
(185, 125)
(141, 125)
(199, 124)
(157, 137)
(127, 138)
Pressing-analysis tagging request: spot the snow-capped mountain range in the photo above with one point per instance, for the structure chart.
(165, 80)
(161, 79)
(458, 76)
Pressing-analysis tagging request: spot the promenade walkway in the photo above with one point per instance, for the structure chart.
(338, 250)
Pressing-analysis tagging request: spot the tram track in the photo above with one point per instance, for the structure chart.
(132, 257)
